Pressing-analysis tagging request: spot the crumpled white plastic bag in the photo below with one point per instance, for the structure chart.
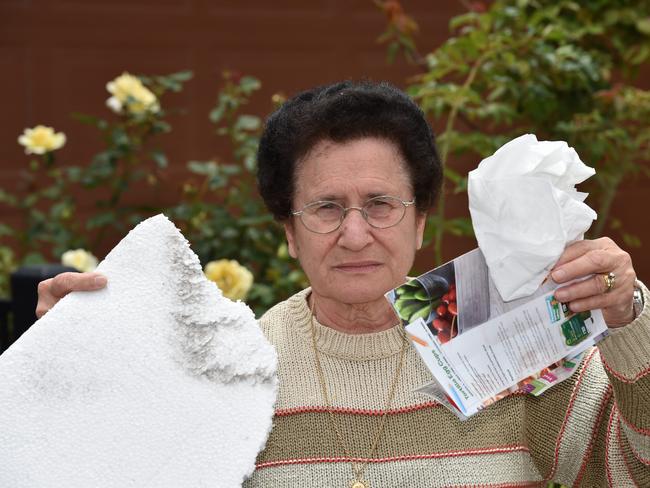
(525, 210)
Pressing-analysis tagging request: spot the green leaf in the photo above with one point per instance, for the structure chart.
(7, 198)
(33, 258)
(208, 168)
(159, 158)
(160, 127)
(392, 51)
(248, 84)
(183, 75)
(263, 292)
(638, 54)
(6, 230)
(250, 162)
(74, 173)
(217, 181)
(248, 122)
(631, 240)
(461, 226)
(52, 192)
(643, 25)
(101, 220)
(61, 210)
(216, 114)
(230, 169)
(255, 220)
(463, 19)
(90, 120)
(30, 200)
(119, 137)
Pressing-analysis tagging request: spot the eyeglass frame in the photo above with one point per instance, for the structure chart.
(405, 204)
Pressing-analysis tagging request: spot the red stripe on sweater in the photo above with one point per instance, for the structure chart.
(574, 394)
(407, 457)
(636, 429)
(638, 456)
(622, 377)
(585, 459)
(526, 484)
(620, 443)
(285, 412)
(608, 470)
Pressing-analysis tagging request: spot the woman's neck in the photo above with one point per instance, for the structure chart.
(353, 318)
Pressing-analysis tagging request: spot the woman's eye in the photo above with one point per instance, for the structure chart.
(327, 206)
(380, 208)
(328, 210)
(380, 204)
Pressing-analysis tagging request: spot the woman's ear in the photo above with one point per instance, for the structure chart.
(420, 223)
(290, 233)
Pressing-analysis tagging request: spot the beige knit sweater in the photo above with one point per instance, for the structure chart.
(592, 430)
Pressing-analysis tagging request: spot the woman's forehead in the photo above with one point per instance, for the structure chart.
(370, 146)
(369, 166)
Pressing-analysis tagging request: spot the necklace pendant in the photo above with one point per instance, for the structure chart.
(359, 484)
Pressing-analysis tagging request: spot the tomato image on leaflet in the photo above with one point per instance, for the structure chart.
(444, 326)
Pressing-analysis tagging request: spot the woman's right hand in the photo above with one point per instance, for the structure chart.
(54, 289)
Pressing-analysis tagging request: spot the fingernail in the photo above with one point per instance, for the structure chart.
(560, 295)
(558, 275)
(100, 281)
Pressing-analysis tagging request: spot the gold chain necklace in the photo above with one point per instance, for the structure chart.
(357, 467)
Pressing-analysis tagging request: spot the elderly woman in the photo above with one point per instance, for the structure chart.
(351, 170)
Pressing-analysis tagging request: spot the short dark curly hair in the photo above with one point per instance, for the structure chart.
(343, 112)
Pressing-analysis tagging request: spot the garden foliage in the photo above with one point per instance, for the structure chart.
(560, 69)
(219, 210)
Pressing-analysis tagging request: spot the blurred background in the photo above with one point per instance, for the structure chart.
(188, 84)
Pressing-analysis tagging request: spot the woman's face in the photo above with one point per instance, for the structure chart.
(356, 263)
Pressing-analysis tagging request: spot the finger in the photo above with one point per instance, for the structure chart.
(615, 312)
(592, 261)
(575, 250)
(45, 301)
(592, 302)
(65, 283)
(596, 285)
(579, 248)
(44, 305)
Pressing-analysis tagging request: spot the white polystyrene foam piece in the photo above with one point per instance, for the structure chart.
(155, 381)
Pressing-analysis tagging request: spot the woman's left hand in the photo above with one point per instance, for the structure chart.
(598, 258)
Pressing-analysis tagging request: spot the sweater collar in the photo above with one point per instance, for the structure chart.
(338, 344)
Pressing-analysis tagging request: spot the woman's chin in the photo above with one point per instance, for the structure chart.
(359, 292)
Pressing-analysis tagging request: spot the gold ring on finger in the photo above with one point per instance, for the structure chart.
(610, 280)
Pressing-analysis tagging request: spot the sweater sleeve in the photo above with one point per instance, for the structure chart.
(626, 360)
(594, 431)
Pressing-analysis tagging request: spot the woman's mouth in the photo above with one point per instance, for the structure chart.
(358, 266)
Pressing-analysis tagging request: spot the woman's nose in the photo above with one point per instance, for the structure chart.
(355, 232)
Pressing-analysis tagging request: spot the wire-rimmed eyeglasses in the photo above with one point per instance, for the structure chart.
(381, 212)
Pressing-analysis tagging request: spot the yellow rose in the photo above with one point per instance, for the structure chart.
(231, 277)
(129, 92)
(41, 140)
(79, 259)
